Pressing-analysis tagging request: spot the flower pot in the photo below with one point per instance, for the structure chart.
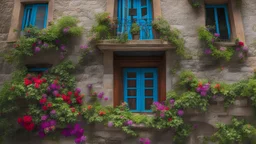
(135, 36)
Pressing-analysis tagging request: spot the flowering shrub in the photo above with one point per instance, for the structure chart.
(53, 37)
(238, 131)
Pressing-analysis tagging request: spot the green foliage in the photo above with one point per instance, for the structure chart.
(122, 38)
(102, 30)
(182, 133)
(209, 39)
(171, 35)
(238, 131)
(135, 29)
(52, 37)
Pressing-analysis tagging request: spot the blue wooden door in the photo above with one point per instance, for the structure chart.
(143, 17)
(140, 88)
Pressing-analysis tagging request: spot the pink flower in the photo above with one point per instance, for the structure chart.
(241, 55)
(216, 35)
(245, 48)
(110, 124)
(100, 95)
(223, 48)
(37, 49)
(208, 51)
(180, 112)
(84, 46)
(105, 98)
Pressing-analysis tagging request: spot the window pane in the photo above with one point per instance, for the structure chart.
(132, 103)
(143, 2)
(210, 20)
(131, 75)
(148, 75)
(40, 17)
(222, 24)
(131, 92)
(131, 83)
(148, 103)
(148, 92)
(148, 83)
(143, 12)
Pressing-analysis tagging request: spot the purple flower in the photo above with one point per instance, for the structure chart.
(129, 122)
(83, 138)
(55, 93)
(89, 86)
(172, 101)
(65, 30)
(203, 93)
(53, 86)
(216, 35)
(105, 98)
(48, 89)
(110, 124)
(100, 95)
(39, 42)
(44, 125)
(63, 47)
(66, 132)
(208, 51)
(45, 95)
(162, 115)
(53, 112)
(52, 122)
(241, 55)
(238, 49)
(84, 46)
(144, 140)
(180, 112)
(223, 48)
(44, 117)
(37, 49)
(45, 45)
(245, 48)
(78, 90)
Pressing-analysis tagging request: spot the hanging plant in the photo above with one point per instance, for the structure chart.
(196, 3)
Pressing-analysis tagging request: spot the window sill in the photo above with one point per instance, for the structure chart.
(135, 45)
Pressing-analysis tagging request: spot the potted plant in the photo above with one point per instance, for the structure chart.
(196, 3)
(135, 30)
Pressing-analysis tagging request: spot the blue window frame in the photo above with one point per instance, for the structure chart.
(217, 16)
(35, 15)
(139, 11)
(37, 69)
(140, 88)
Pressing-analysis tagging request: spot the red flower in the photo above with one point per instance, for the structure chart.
(42, 100)
(89, 107)
(79, 100)
(38, 81)
(27, 82)
(49, 105)
(69, 102)
(29, 32)
(37, 86)
(241, 44)
(169, 119)
(12, 88)
(167, 108)
(69, 93)
(58, 95)
(76, 94)
(73, 110)
(27, 119)
(101, 113)
(20, 121)
(29, 127)
(55, 81)
(217, 86)
(44, 108)
(44, 80)
(39, 75)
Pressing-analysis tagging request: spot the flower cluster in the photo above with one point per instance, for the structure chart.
(27, 122)
(76, 131)
(144, 140)
(35, 80)
(241, 49)
(46, 126)
(161, 108)
(203, 88)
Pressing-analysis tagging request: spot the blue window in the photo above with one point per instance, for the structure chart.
(140, 88)
(37, 70)
(218, 20)
(139, 11)
(35, 15)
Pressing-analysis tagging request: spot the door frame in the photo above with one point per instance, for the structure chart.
(138, 62)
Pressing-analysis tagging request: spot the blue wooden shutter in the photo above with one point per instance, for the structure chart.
(35, 15)
(216, 17)
(140, 88)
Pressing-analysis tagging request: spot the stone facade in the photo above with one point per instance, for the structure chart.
(97, 69)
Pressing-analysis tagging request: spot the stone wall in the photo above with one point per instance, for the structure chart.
(180, 15)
